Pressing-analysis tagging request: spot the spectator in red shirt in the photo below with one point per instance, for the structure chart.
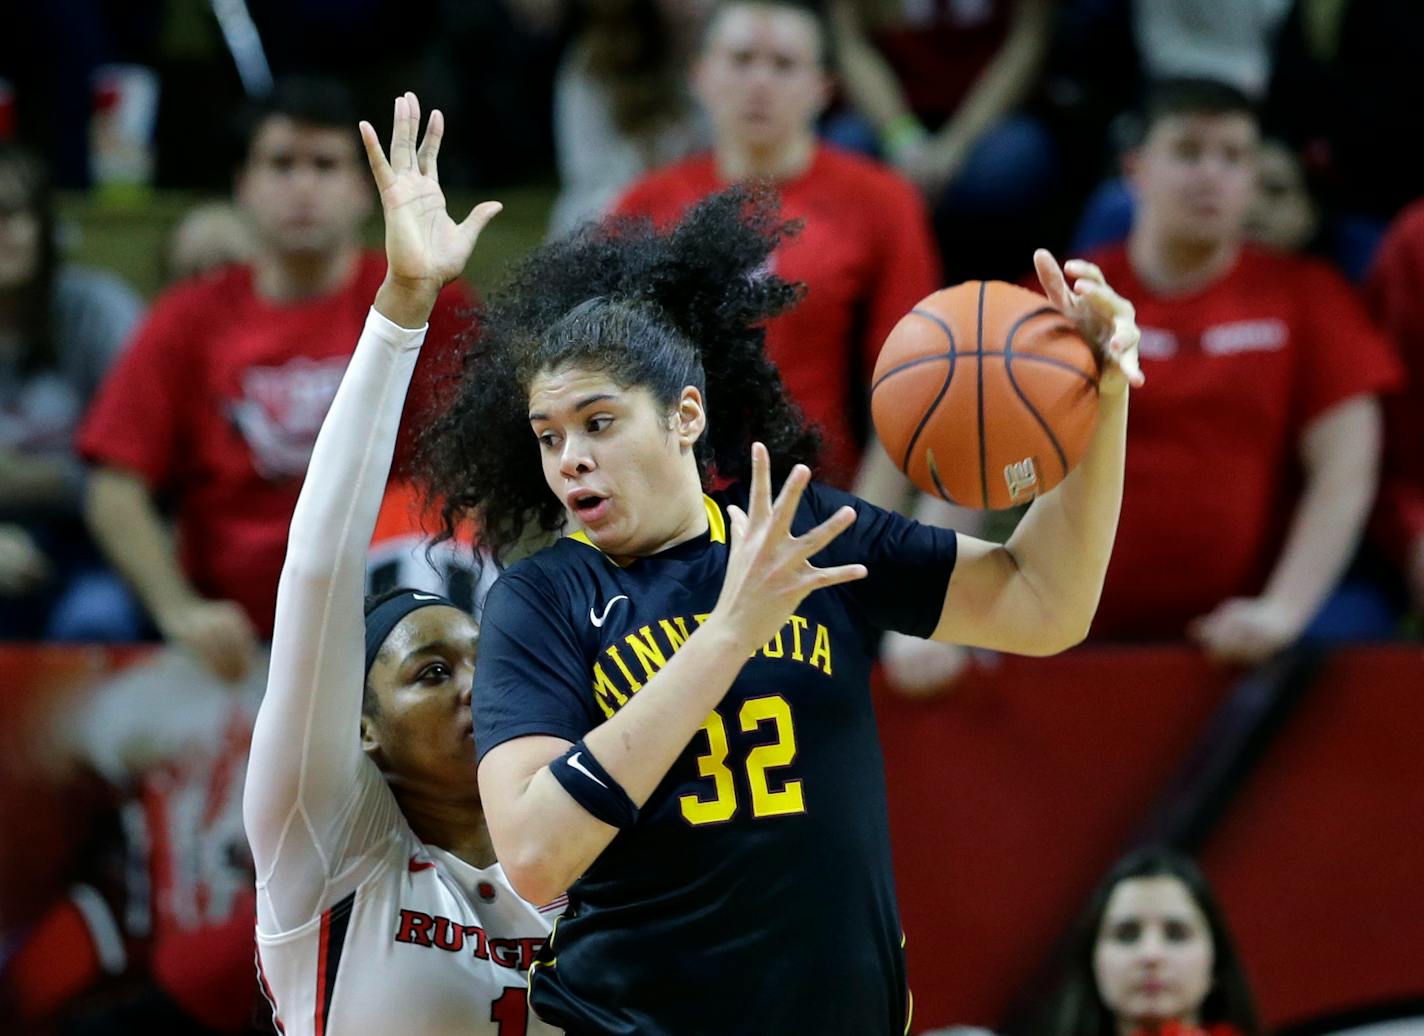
(1395, 292)
(865, 252)
(1253, 459)
(216, 403)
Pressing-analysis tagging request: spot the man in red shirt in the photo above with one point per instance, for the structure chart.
(864, 253)
(217, 401)
(1394, 290)
(1253, 455)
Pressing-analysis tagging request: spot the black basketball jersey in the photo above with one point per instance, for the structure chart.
(755, 894)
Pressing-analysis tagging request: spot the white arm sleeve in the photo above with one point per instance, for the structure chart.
(316, 810)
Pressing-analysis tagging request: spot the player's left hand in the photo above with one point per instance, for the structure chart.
(1105, 319)
(1244, 630)
(425, 248)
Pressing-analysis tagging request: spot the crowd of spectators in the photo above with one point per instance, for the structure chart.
(149, 463)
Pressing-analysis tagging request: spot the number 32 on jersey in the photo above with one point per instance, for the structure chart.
(772, 711)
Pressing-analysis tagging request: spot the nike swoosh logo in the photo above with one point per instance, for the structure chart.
(598, 620)
(581, 768)
(425, 597)
(416, 866)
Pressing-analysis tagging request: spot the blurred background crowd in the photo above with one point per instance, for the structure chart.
(185, 222)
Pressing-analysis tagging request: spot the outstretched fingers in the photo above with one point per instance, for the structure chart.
(824, 577)
(1050, 276)
(474, 224)
(430, 146)
(759, 494)
(784, 510)
(816, 540)
(375, 157)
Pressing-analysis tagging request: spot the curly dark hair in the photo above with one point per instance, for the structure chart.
(651, 309)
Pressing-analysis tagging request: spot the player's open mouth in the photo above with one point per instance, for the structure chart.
(588, 507)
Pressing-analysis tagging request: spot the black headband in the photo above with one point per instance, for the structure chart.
(387, 615)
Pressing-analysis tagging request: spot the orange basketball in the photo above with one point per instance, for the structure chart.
(985, 395)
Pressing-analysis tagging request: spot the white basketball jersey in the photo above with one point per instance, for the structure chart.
(426, 945)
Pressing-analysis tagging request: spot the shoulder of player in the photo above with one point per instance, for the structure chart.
(551, 574)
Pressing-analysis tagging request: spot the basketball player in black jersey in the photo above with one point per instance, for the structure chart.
(671, 706)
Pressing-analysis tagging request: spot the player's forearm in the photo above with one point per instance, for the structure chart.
(308, 715)
(1062, 546)
(124, 522)
(336, 512)
(544, 839)
(1340, 483)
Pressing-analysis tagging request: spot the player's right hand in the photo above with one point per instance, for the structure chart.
(769, 571)
(425, 248)
(219, 633)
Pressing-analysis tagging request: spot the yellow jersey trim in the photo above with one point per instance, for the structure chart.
(529, 979)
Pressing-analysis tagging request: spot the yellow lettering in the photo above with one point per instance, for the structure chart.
(676, 637)
(702, 618)
(604, 688)
(774, 648)
(797, 625)
(646, 650)
(822, 649)
(633, 684)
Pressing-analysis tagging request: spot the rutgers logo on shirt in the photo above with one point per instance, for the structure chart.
(281, 411)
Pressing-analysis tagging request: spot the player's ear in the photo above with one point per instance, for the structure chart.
(690, 421)
(370, 738)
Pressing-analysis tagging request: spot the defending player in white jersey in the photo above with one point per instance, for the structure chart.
(380, 907)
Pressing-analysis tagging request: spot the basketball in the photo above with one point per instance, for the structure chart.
(985, 395)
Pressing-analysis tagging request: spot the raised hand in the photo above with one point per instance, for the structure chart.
(425, 248)
(1104, 318)
(769, 571)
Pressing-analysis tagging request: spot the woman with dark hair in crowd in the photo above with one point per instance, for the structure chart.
(60, 328)
(671, 702)
(1153, 954)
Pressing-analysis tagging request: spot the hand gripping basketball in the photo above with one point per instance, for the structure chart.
(1104, 318)
(986, 394)
(768, 570)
